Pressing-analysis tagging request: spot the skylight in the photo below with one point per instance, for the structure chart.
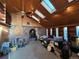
(48, 6)
(35, 18)
(70, 1)
(39, 14)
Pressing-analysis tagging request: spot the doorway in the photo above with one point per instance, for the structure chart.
(32, 35)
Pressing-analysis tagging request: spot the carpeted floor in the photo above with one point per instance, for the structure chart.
(4, 57)
(34, 50)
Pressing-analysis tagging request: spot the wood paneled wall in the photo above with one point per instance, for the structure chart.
(72, 30)
(61, 31)
(8, 18)
(54, 31)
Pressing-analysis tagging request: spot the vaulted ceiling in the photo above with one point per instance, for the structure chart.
(66, 13)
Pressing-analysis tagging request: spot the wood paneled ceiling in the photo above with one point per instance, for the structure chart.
(66, 13)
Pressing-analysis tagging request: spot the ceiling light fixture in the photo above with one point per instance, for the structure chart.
(70, 9)
(57, 15)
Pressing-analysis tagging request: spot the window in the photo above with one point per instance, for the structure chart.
(35, 18)
(0, 32)
(50, 31)
(57, 34)
(39, 14)
(77, 31)
(48, 6)
(47, 32)
(65, 33)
